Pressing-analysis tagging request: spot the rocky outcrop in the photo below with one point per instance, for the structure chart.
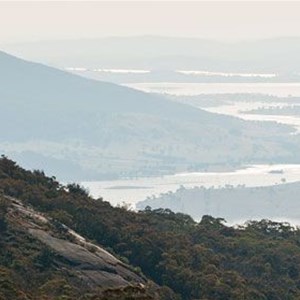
(88, 262)
(93, 265)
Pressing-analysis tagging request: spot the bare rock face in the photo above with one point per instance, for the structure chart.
(89, 263)
(97, 268)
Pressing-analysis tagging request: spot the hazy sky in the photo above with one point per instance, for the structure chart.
(30, 21)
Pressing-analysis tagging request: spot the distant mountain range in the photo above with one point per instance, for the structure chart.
(165, 54)
(84, 129)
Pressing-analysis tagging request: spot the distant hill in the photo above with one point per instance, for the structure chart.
(84, 129)
(278, 55)
(235, 204)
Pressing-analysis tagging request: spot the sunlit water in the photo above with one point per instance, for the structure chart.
(132, 191)
(112, 71)
(276, 89)
(236, 109)
(239, 109)
(226, 74)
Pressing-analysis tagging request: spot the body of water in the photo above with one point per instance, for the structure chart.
(238, 108)
(132, 191)
(192, 89)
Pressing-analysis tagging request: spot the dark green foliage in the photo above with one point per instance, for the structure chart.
(44, 259)
(3, 210)
(205, 260)
(76, 189)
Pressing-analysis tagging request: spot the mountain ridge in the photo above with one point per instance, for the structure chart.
(145, 51)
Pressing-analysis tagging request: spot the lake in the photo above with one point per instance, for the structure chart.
(132, 191)
(236, 109)
(275, 89)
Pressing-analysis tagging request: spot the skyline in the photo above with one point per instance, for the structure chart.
(230, 21)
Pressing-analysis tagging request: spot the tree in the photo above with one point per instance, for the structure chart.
(3, 212)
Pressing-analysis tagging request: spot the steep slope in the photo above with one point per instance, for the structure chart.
(96, 129)
(61, 263)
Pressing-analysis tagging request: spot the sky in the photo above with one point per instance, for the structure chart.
(34, 21)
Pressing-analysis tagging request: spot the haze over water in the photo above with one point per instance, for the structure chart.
(132, 191)
(236, 109)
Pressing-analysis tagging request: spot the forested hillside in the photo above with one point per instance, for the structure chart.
(198, 260)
